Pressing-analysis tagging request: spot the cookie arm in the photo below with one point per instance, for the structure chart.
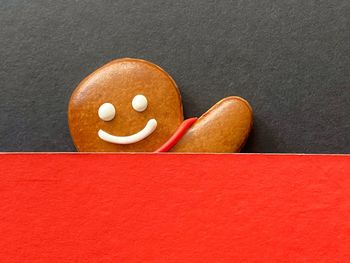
(224, 128)
(177, 135)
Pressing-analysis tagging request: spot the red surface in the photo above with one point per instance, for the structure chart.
(185, 125)
(174, 208)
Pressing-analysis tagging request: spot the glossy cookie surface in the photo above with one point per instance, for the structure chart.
(128, 105)
(224, 128)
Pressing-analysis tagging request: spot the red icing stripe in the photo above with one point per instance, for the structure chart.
(177, 135)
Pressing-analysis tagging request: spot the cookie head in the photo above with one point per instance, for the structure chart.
(128, 105)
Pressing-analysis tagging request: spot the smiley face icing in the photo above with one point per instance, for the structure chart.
(128, 105)
(107, 113)
(132, 105)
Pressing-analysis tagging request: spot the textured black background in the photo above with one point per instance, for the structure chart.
(289, 58)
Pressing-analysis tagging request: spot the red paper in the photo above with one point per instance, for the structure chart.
(174, 208)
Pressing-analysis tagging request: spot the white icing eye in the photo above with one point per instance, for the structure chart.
(139, 103)
(106, 112)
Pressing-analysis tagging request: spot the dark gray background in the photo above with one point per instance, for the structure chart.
(289, 58)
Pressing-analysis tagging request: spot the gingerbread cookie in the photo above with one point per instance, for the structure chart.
(223, 128)
(132, 105)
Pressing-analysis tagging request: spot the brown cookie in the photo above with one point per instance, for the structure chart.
(128, 105)
(224, 128)
(131, 105)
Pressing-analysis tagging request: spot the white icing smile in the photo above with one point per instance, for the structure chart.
(136, 137)
(107, 112)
